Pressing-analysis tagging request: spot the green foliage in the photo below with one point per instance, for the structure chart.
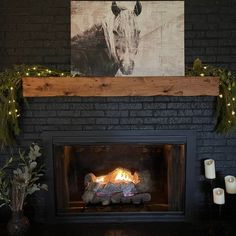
(11, 98)
(16, 185)
(225, 107)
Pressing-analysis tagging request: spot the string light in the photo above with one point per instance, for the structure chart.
(229, 121)
(233, 99)
(9, 113)
(13, 100)
(205, 67)
(9, 101)
(18, 115)
(49, 71)
(233, 113)
(11, 88)
(16, 110)
(62, 74)
(228, 104)
(229, 88)
(221, 96)
(27, 74)
(34, 68)
(38, 74)
(202, 74)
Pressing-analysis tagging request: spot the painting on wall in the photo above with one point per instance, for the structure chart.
(127, 38)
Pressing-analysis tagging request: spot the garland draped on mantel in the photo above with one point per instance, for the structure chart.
(11, 96)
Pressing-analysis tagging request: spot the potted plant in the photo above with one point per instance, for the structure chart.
(19, 177)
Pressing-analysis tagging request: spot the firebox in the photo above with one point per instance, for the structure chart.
(120, 175)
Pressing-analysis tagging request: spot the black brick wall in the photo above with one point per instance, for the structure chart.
(38, 32)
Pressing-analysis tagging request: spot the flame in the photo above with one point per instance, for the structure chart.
(119, 175)
(123, 175)
(100, 179)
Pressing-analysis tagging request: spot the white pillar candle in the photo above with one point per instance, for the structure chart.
(210, 172)
(219, 196)
(230, 184)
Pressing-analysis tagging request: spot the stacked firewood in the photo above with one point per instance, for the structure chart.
(108, 192)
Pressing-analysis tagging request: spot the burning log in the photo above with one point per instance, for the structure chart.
(118, 186)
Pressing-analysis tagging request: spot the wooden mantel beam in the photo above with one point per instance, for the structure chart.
(120, 86)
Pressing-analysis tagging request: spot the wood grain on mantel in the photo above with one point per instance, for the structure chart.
(120, 86)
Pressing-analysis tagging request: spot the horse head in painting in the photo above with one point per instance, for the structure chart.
(114, 46)
(126, 36)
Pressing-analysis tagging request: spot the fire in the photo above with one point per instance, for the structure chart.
(119, 175)
(100, 179)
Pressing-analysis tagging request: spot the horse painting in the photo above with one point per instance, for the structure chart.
(108, 48)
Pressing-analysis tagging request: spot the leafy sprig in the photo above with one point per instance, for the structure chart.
(23, 180)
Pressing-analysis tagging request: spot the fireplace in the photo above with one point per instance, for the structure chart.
(120, 175)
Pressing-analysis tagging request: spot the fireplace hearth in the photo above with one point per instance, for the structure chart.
(120, 175)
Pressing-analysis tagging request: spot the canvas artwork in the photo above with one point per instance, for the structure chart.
(127, 38)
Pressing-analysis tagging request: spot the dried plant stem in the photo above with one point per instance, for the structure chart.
(18, 196)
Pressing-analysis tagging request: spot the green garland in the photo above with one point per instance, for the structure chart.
(11, 96)
(225, 107)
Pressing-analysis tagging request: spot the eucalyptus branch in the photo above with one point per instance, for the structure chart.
(24, 179)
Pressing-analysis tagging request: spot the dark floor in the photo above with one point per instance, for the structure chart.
(132, 229)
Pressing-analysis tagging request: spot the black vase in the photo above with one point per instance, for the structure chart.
(18, 224)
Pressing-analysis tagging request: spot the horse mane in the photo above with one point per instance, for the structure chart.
(112, 22)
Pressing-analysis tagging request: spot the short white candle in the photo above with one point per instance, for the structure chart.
(219, 196)
(230, 184)
(210, 172)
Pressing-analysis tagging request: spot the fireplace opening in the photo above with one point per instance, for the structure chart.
(114, 176)
(119, 178)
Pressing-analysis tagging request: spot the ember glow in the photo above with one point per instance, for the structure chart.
(119, 175)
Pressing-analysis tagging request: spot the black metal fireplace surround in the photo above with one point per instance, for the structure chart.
(169, 156)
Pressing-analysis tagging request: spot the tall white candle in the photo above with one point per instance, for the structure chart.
(210, 172)
(230, 184)
(219, 196)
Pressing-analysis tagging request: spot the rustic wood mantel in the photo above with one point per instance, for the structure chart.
(120, 86)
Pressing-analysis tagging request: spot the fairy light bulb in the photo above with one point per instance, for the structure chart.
(9, 113)
(9, 101)
(221, 96)
(233, 113)
(13, 100)
(233, 99)
(27, 74)
(16, 110)
(62, 74)
(228, 104)
(11, 88)
(34, 68)
(229, 121)
(38, 74)
(18, 115)
(49, 71)
(202, 74)
(205, 67)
